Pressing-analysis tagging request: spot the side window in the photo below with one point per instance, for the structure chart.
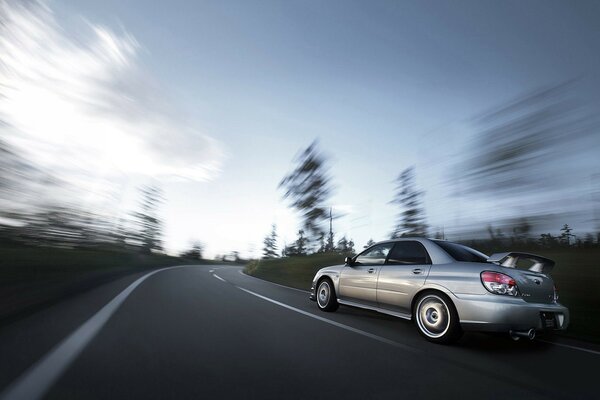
(408, 252)
(375, 255)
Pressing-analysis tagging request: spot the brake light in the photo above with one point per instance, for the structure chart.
(555, 297)
(498, 283)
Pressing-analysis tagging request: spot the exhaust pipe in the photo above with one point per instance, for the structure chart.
(516, 335)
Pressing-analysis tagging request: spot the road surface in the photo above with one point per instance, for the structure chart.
(213, 332)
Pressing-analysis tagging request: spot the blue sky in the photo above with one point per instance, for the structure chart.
(382, 84)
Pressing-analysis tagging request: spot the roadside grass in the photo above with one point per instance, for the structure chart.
(576, 274)
(296, 272)
(34, 276)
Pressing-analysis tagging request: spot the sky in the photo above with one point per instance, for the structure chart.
(212, 100)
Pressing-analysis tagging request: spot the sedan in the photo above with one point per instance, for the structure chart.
(446, 288)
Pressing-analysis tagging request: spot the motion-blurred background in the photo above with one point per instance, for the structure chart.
(132, 136)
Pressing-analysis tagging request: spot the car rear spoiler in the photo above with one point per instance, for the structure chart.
(540, 264)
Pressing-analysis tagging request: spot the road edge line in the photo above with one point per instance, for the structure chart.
(36, 380)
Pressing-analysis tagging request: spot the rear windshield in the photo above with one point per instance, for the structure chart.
(460, 252)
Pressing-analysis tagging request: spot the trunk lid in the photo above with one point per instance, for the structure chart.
(534, 287)
(531, 272)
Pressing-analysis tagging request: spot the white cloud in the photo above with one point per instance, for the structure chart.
(84, 106)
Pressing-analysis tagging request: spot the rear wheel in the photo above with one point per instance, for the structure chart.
(436, 318)
(326, 298)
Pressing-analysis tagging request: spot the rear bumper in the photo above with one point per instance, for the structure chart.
(500, 314)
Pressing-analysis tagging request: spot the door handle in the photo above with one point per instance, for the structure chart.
(417, 271)
(371, 270)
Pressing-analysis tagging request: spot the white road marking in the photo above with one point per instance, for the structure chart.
(218, 277)
(334, 323)
(371, 335)
(572, 347)
(36, 380)
(211, 271)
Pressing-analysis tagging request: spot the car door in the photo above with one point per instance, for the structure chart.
(358, 282)
(403, 274)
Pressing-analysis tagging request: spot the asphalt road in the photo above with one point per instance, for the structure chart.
(212, 332)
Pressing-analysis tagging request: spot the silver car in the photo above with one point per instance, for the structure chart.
(446, 288)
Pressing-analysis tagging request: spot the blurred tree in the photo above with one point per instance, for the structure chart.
(566, 235)
(195, 252)
(322, 243)
(330, 245)
(149, 226)
(370, 243)
(521, 230)
(270, 249)
(345, 246)
(308, 188)
(589, 240)
(547, 240)
(411, 220)
(298, 248)
(520, 144)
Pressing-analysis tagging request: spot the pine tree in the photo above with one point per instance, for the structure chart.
(308, 188)
(370, 243)
(147, 220)
(345, 246)
(566, 235)
(301, 243)
(411, 220)
(270, 250)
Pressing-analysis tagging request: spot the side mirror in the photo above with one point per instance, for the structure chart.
(348, 261)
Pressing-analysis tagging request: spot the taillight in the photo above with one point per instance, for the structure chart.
(498, 283)
(555, 297)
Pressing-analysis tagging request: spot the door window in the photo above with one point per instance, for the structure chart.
(376, 255)
(408, 252)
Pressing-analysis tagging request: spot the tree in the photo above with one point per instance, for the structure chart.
(330, 245)
(519, 147)
(301, 243)
(308, 188)
(566, 235)
(547, 240)
(298, 248)
(370, 243)
(270, 250)
(411, 219)
(195, 252)
(345, 246)
(521, 230)
(147, 220)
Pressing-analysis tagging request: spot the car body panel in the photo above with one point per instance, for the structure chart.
(398, 284)
(359, 284)
(392, 289)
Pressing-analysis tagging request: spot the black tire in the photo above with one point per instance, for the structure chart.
(326, 297)
(436, 318)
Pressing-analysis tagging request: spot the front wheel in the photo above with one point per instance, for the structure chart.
(326, 298)
(437, 319)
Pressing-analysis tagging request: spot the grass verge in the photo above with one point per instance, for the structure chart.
(33, 277)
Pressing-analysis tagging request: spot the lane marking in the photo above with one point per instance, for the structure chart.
(334, 323)
(571, 347)
(219, 278)
(241, 272)
(38, 378)
(367, 333)
(211, 271)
